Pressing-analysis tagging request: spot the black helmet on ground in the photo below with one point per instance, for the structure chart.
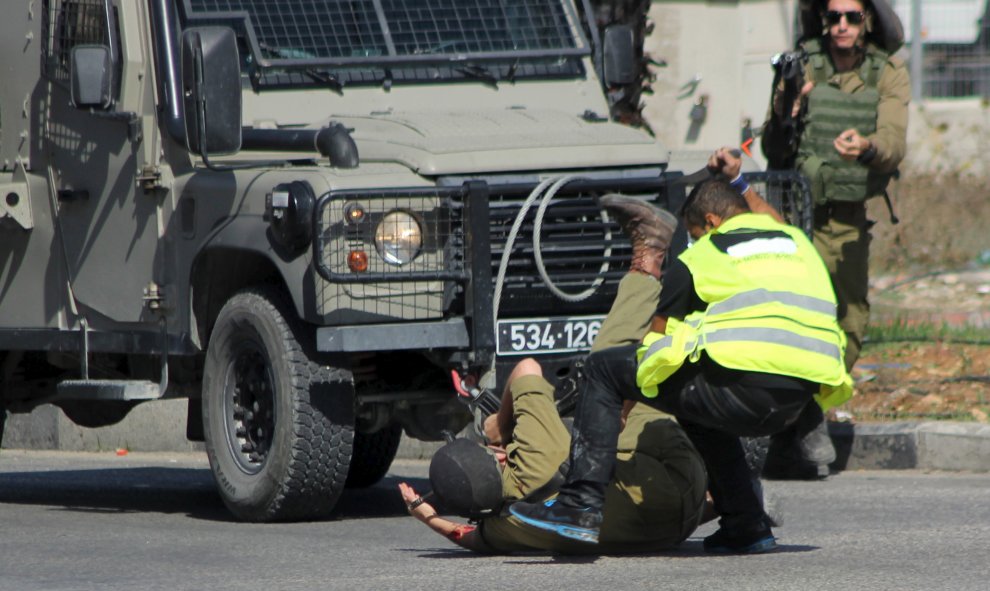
(466, 479)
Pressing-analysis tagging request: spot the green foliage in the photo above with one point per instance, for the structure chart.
(900, 329)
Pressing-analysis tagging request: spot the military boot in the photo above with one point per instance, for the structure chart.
(649, 228)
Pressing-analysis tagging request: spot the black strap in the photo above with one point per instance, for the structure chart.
(890, 209)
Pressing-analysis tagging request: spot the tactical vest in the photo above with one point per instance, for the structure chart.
(830, 112)
(771, 309)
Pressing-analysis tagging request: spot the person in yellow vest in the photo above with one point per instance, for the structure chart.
(852, 121)
(744, 335)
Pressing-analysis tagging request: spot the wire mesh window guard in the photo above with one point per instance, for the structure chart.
(292, 33)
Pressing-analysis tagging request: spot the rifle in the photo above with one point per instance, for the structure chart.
(789, 68)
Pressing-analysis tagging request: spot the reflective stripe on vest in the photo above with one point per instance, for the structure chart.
(775, 336)
(763, 296)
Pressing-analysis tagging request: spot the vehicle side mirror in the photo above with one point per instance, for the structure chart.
(620, 55)
(91, 75)
(211, 90)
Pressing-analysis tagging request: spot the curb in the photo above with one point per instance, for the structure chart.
(933, 445)
(909, 445)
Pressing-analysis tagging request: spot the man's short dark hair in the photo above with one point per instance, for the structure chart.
(712, 196)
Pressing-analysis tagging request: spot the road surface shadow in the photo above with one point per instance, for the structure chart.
(116, 490)
(690, 548)
(190, 491)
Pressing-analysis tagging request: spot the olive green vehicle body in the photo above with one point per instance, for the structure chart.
(120, 246)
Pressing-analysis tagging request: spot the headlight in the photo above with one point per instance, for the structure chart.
(398, 238)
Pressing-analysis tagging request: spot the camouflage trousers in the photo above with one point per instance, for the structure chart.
(842, 238)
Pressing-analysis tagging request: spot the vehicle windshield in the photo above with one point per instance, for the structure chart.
(339, 42)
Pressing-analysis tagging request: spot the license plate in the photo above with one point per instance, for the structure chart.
(547, 335)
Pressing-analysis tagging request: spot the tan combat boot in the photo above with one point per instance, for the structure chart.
(649, 228)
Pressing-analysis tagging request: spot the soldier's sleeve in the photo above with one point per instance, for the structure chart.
(890, 138)
(540, 442)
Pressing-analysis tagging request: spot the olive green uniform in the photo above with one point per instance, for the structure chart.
(841, 229)
(656, 497)
(654, 501)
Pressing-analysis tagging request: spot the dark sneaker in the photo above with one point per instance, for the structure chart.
(785, 457)
(816, 445)
(724, 542)
(577, 524)
(784, 462)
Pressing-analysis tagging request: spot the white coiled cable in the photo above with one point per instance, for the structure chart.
(555, 184)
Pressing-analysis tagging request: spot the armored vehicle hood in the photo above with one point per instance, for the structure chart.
(499, 141)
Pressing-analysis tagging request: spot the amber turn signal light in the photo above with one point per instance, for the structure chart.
(357, 261)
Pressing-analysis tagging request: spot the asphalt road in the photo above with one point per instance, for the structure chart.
(153, 521)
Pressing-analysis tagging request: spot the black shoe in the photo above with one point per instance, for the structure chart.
(582, 524)
(755, 542)
(782, 467)
(816, 445)
(786, 461)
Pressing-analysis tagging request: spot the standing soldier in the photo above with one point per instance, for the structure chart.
(852, 119)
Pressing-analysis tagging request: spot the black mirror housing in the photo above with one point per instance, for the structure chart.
(91, 75)
(620, 55)
(211, 90)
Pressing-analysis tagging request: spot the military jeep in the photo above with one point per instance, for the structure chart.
(313, 219)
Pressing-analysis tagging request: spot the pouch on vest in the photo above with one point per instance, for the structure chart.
(815, 169)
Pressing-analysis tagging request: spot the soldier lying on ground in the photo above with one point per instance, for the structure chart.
(656, 497)
(655, 500)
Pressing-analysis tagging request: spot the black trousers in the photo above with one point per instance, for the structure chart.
(713, 406)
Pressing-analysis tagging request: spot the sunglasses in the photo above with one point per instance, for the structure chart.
(853, 17)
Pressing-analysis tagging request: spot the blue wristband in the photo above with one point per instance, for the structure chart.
(739, 184)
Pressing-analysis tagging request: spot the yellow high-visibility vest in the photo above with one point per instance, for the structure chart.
(770, 308)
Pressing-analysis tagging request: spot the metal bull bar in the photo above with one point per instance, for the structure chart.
(456, 253)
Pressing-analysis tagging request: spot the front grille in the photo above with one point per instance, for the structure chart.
(579, 250)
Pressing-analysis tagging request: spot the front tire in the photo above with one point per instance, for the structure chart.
(278, 426)
(373, 455)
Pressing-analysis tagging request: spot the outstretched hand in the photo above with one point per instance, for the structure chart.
(415, 504)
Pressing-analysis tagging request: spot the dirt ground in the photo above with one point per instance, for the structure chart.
(945, 377)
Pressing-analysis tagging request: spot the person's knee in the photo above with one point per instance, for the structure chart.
(597, 363)
(526, 367)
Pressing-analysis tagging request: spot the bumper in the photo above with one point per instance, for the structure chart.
(445, 334)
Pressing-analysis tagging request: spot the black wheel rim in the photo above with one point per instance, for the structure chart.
(249, 407)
